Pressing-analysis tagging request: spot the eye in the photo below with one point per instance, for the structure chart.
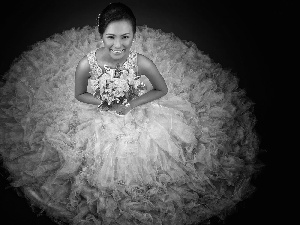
(110, 37)
(126, 37)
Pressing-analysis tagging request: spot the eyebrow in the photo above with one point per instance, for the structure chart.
(121, 35)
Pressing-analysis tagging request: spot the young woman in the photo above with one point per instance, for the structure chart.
(154, 139)
(117, 28)
(151, 146)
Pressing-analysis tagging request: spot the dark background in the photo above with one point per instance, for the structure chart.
(248, 37)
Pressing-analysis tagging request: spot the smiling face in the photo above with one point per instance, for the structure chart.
(117, 39)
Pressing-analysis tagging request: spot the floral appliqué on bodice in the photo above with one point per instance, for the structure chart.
(96, 71)
(115, 85)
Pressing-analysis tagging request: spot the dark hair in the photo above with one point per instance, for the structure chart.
(115, 12)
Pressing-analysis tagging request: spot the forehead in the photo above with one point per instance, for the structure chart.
(119, 27)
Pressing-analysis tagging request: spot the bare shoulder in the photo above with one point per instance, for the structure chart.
(149, 69)
(83, 67)
(145, 64)
(82, 75)
(84, 64)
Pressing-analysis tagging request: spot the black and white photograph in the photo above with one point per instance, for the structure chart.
(140, 112)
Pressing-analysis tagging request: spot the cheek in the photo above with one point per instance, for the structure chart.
(128, 42)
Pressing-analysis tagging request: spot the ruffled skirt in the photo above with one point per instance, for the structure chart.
(181, 159)
(150, 144)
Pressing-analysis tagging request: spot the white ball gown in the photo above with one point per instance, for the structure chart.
(180, 159)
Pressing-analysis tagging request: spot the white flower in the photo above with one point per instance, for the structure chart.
(136, 83)
(109, 72)
(94, 83)
(105, 77)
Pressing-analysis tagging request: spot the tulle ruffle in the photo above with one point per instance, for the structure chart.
(178, 160)
(135, 148)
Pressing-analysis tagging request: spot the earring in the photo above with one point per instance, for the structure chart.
(133, 47)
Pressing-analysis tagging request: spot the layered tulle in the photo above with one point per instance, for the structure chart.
(180, 159)
(135, 149)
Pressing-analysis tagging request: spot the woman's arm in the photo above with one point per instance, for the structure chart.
(148, 68)
(81, 82)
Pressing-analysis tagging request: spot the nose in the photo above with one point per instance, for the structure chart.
(117, 43)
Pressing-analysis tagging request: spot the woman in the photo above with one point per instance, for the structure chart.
(141, 143)
(117, 30)
(151, 148)
(149, 142)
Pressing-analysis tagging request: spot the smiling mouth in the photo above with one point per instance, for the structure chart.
(117, 51)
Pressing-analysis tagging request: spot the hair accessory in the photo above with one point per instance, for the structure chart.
(98, 19)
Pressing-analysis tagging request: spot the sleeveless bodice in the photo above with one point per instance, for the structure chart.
(96, 71)
(122, 75)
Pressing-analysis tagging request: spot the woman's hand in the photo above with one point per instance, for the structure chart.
(121, 109)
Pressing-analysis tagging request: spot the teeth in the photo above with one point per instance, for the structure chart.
(116, 51)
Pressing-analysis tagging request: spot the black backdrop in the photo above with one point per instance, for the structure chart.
(243, 37)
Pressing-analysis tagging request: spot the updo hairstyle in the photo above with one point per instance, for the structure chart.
(115, 12)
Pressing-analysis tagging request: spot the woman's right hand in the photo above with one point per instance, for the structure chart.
(120, 109)
(114, 107)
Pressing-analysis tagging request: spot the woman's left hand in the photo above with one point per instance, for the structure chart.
(122, 109)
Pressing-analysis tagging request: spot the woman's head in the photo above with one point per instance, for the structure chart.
(115, 12)
(117, 27)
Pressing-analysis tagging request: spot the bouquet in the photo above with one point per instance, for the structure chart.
(117, 86)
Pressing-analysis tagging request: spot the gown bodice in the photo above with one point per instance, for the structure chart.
(130, 65)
